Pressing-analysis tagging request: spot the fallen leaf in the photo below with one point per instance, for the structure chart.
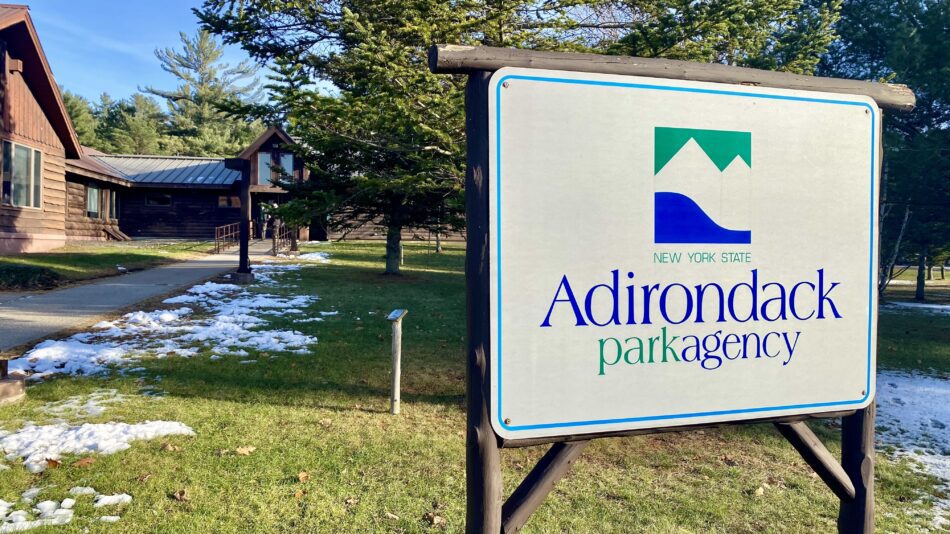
(300, 493)
(222, 452)
(144, 478)
(246, 450)
(325, 423)
(84, 462)
(181, 496)
(303, 477)
(170, 447)
(729, 461)
(352, 501)
(53, 464)
(390, 515)
(434, 519)
(760, 491)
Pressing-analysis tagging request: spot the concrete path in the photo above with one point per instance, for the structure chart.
(26, 317)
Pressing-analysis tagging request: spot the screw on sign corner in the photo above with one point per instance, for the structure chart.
(504, 84)
(507, 420)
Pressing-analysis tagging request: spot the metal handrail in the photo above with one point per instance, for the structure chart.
(280, 237)
(226, 236)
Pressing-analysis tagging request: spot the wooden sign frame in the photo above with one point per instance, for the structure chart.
(851, 480)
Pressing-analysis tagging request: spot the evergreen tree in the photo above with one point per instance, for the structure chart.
(905, 42)
(207, 86)
(84, 121)
(388, 140)
(787, 35)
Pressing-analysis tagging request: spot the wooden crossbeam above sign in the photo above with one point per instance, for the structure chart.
(454, 59)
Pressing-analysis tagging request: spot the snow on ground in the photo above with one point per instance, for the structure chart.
(79, 406)
(36, 444)
(231, 323)
(913, 416)
(50, 513)
(904, 307)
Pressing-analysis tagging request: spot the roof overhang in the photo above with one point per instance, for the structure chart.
(16, 19)
(263, 138)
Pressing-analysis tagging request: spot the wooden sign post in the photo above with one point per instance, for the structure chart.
(395, 317)
(243, 274)
(608, 109)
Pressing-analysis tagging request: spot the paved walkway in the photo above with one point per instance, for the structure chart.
(26, 317)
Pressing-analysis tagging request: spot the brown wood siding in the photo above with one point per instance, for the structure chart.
(78, 224)
(52, 217)
(24, 120)
(193, 214)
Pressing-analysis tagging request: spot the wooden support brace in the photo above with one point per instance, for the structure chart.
(539, 482)
(817, 456)
(857, 458)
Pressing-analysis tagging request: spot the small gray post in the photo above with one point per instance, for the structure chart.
(396, 318)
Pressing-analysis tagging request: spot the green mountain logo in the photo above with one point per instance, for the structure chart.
(721, 146)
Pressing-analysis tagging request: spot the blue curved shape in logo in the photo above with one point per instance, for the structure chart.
(679, 219)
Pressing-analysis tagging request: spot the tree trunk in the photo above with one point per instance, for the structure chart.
(438, 242)
(293, 239)
(921, 275)
(930, 272)
(942, 273)
(393, 249)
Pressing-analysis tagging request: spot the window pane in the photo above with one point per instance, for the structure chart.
(158, 199)
(287, 164)
(92, 201)
(21, 176)
(7, 180)
(263, 168)
(37, 179)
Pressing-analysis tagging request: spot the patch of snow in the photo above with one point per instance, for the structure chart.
(248, 361)
(309, 320)
(913, 416)
(916, 306)
(36, 444)
(109, 518)
(82, 490)
(321, 257)
(67, 503)
(329, 313)
(112, 500)
(232, 323)
(29, 495)
(84, 405)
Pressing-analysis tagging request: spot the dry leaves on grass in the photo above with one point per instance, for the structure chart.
(434, 519)
(144, 477)
(245, 450)
(300, 493)
(326, 423)
(170, 447)
(181, 496)
(222, 452)
(390, 515)
(53, 464)
(351, 502)
(84, 462)
(303, 477)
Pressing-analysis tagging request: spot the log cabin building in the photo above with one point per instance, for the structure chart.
(53, 190)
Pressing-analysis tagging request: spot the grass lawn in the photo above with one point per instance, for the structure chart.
(82, 261)
(326, 414)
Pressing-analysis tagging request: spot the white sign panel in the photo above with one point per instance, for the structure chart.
(666, 253)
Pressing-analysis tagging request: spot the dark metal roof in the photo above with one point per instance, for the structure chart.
(171, 170)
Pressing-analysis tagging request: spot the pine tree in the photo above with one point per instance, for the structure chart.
(905, 42)
(207, 85)
(387, 139)
(81, 114)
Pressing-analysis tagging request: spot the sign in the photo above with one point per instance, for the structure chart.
(667, 253)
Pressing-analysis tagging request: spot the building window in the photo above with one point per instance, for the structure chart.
(92, 201)
(267, 162)
(158, 199)
(21, 176)
(287, 164)
(263, 168)
(229, 201)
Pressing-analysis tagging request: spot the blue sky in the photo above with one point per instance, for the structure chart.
(96, 46)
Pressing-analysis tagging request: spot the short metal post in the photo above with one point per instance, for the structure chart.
(396, 318)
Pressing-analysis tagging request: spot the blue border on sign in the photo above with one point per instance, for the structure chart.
(656, 87)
